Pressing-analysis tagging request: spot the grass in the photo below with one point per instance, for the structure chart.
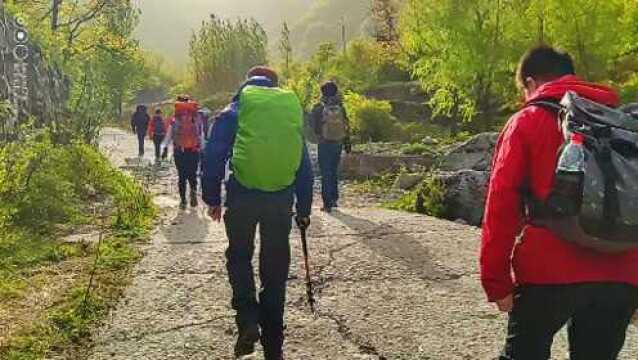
(45, 308)
(374, 185)
(65, 327)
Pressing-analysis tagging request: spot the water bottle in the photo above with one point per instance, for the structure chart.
(567, 195)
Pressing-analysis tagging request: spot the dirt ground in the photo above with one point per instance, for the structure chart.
(389, 285)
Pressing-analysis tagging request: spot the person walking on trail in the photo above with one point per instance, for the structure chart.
(331, 126)
(541, 280)
(139, 124)
(157, 131)
(260, 135)
(187, 135)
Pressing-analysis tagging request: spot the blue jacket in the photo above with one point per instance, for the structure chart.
(218, 152)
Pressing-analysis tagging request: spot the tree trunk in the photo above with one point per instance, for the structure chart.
(55, 14)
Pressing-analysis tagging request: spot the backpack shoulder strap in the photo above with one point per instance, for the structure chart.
(547, 104)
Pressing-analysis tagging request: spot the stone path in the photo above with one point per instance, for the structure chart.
(389, 285)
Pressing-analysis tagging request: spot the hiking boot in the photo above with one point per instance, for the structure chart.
(182, 205)
(326, 209)
(194, 200)
(246, 341)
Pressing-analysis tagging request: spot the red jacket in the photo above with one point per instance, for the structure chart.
(526, 157)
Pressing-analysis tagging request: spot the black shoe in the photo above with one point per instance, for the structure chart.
(194, 200)
(182, 205)
(246, 341)
(326, 209)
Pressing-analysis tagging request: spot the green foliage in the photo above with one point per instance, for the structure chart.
(428, 198)
(465, 54)
(222, 51)
(417, 149)
(371, 120)
(375, 185)
(43, 189)
(365, 64)
(94, 46)
(43, 186)
(70, 320)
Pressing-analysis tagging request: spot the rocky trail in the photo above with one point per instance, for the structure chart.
(389, 285)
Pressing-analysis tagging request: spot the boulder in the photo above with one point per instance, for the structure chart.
(474, 154)
(33, 87)
(408, 181)
(465, 193)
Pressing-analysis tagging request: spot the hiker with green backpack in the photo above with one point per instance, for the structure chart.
(330, 123)
(259, 136)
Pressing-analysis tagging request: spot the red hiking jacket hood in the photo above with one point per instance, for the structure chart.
(525, 160)
(555, 90)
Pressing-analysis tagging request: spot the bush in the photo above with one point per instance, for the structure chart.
(371, 120)
(428, 198)
(416, 149)
(43, 185)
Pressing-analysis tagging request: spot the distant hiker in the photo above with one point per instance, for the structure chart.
(157, 130)
(139, 125)
(187, 134)
(331, 126)
(555, 281)
(260, 134)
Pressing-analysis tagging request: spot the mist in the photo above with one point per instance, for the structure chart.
(166, 26)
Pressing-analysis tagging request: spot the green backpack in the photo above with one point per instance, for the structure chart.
(269, 142)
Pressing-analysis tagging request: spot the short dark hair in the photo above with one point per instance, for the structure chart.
(264, 71)
(544, 63)
(329, 88)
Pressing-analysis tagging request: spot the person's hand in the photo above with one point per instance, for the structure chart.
(506, 304)
(215, 213)
(303, 222)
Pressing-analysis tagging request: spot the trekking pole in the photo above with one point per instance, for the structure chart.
(304, 245)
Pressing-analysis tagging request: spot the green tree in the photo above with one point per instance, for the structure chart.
(222, 51)
(465, 53)
(285, 48)
(92, 42)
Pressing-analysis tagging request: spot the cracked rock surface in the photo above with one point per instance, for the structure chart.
(389, 285)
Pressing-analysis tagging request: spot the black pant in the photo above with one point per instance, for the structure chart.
(597, 315)
(273, 213)
(141, 136)
(157, 141)
(187, 163)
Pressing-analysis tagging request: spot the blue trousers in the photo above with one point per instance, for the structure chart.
(329, 159)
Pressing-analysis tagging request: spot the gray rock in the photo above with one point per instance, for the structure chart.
(408, 181)
(32, 86)
(428, 140)
(474, 154)
(465, 195)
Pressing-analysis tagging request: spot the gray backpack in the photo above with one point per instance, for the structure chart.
(334, 127)
(607, 220)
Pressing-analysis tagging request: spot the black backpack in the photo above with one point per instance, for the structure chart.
(608, 218)
(158, 122)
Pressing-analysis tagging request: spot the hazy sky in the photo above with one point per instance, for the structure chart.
(166, 25)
